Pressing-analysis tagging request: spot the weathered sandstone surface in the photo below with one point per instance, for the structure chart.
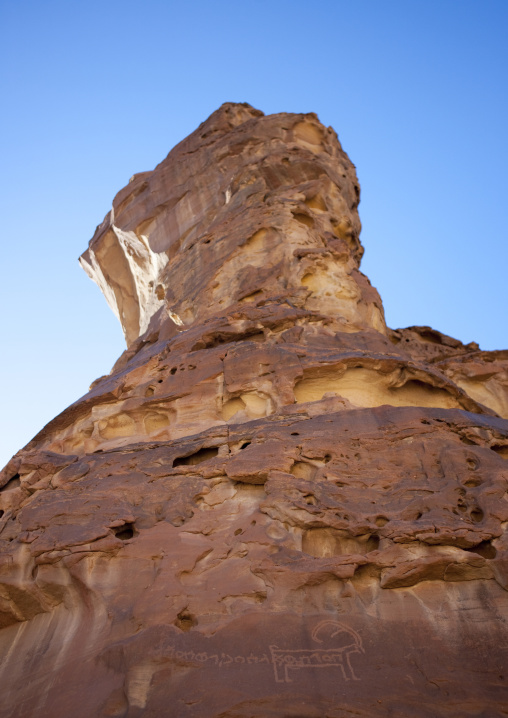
(274, 505)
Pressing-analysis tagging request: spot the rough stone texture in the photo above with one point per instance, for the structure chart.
(274, 505)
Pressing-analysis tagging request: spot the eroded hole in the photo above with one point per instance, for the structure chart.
(303, 219)
(501, 450)
(238, 532)
(13, 483)
(257, 337)
(366, 387)
(381, 521)
(231, 407)
(485, 549)
(472, 483)
(302, 470)
(308, 133)
(252, 296)
(316, 202)
(373, 543)
(245, 444)
(155, 421)
(173, 371)
(150, 391)
(325, 542)
(472, 464)
(343, 229)
(197, 458)
(125, 532)
(477, 515)
(185, 621)
(310, 499)
(257, 241)
(178, 521)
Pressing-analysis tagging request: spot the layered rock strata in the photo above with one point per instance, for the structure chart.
(274, 505)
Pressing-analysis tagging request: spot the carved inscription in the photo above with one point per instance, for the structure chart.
(220, 660)
(335, 644)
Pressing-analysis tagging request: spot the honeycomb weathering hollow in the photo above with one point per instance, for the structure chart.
(274, 505)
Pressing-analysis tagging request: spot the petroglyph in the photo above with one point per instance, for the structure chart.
(335, 644)
(285, 660)
(220, 660)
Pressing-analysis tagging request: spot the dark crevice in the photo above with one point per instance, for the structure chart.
(372, 544)
(215, 340)
(465, 440)
(477, 515)
(197, 458)
(125, 532)
(485, 549)
(473, 482)
(13, 483)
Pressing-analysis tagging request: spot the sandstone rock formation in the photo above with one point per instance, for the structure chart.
(274, 505)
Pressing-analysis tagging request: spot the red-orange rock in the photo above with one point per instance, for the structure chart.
(274, 505)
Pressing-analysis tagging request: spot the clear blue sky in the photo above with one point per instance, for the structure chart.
(93, 92)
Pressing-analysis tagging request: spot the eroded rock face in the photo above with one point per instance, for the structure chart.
(274, 505)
